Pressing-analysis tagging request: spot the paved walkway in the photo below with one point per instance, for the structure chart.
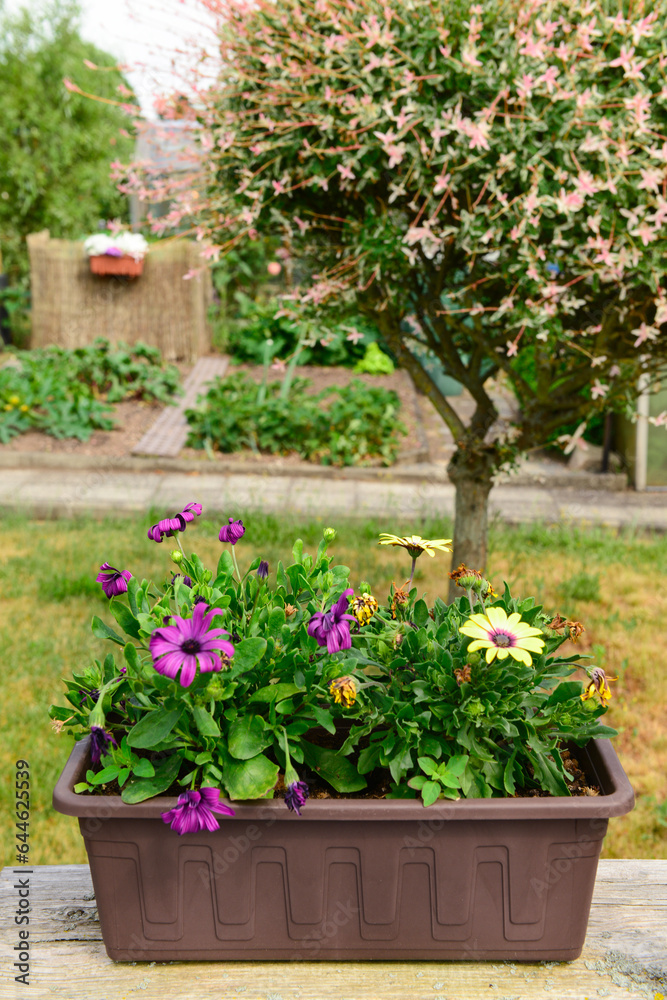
(58, 492)
(167, 435)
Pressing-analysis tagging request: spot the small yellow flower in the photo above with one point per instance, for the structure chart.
(503, 636)
(343, 690)
(599, 682)
(8, 407)
(15, 400)
(363, 608)
(416, 545)
(24, 408)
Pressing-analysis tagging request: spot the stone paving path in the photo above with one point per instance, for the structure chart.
(54, 493)
(167, 435)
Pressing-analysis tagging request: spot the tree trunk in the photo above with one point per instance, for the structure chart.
(473, 482)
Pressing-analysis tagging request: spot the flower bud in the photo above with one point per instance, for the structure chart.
(177, 556)
(329, 534)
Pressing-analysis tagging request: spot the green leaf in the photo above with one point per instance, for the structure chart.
(338, 771)
(140, 789)
(143, 769)
(153, 728)
(324, 719)
(248, 736)
(508, 775)
(81, 786)
(106, 775)
(276, 692)
(275, 622)
(249, 779)
(125, 618)
(131, 656)
(430, 792)
(247, 654)
(132, 588)
(205, 722)
(297, 551)
(420, 614)
(427, 765)
(102, 631)
(225, 568)
(566, 691)
(281, 577)
(369, 758)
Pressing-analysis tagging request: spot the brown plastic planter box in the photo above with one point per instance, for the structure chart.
(352, 878)
(126, 265)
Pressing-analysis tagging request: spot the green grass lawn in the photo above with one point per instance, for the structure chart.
(614, 582)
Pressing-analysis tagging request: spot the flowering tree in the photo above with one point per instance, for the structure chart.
(487, 181)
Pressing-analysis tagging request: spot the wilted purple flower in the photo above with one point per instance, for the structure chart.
(93, 695)
(262, 570)
(183, 578)
(187, 642)
(195, 811)
(170, 525)
(232, 532)
(330, 628)
(100, 741)
(114, 581)
(296, 795)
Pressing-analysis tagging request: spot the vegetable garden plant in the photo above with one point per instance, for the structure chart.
(241, 684)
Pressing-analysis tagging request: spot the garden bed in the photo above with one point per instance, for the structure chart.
(134, 418)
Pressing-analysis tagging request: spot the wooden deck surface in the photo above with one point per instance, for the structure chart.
(625, 955)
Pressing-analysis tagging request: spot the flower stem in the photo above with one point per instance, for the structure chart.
(236, 565)
(412, 571)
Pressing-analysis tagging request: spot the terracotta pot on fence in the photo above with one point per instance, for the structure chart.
(108, 264)
(495, 879)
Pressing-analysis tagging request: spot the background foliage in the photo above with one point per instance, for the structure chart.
(56, 145)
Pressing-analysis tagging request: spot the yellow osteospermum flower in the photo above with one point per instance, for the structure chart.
(363, 608)
(502, 636)
(416, 545)
(599, 682)
(343, 691)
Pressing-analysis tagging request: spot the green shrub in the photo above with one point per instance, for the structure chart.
(375, 361)
(339, 426)
(67, 394)
(257, 323)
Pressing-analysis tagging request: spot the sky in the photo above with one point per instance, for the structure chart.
(146, 35)
(150, 37)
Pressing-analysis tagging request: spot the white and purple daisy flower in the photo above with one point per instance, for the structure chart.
(114, 581)
(195, 810)
(169, 526)
(330, 628)
(186, 642)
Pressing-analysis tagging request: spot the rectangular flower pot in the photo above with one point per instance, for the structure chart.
(351, 878)
(125, 265)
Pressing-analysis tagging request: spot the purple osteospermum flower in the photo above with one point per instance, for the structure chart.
(232, 532)
(195, 811)
(330, 628)
(100, 741)
(93, 695)
(170, 525)
(296, 795)
(114, 581)
(186, 642)
(262, 570)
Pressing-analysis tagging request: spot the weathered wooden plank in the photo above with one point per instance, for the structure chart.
(625, 955)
